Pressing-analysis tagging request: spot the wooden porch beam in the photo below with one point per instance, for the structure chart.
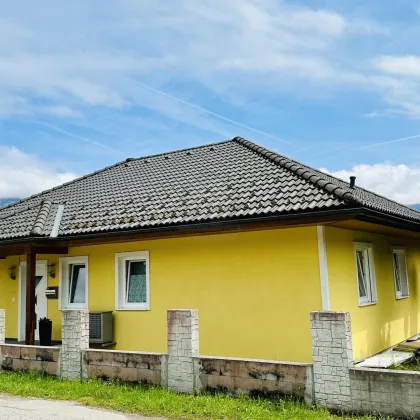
(30, 298)
(48, 250)
(37, 249)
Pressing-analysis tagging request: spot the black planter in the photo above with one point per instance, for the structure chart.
(45, 332)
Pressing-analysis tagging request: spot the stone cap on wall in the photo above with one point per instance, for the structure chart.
(27, 346)
(144, 353)
(329, 316)
(239, 359)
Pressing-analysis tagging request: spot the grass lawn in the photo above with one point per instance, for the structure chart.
(151, 401)
(413, 364)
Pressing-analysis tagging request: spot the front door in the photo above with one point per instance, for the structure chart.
(40, 298)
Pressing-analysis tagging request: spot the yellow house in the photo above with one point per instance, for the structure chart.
(255, 241)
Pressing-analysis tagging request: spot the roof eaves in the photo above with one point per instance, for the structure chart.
(300, 170)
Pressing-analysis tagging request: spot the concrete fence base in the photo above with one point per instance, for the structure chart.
(182, 369)
(256, 378)
(331, 381)
(35, 359)
(340, 386)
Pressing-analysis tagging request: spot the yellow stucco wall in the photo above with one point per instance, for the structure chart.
(9, 295)
(254, 292)
(390, 321)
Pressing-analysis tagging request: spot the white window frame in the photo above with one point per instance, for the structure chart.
(372, 298)
(63, 289)
(400, 251)
(120, 281)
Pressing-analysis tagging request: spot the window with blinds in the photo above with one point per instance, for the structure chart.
(132, 280)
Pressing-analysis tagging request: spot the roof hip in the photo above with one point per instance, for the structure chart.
(300, 170)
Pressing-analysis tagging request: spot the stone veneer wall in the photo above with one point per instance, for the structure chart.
(182, 348)
(332, 357)
(75, 340)
(338, 385)
(37, 359)
(254, 377)
(150, 368)
(2, 326)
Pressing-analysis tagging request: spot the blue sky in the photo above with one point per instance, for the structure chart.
(86, 84)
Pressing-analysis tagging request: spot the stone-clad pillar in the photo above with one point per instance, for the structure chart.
(2, 326)
(75, 340)
(332, 358)
(182, 348)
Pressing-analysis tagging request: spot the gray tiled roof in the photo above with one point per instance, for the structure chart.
(223, 181)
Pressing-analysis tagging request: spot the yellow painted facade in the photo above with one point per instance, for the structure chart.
(379, 326)
(254, 291)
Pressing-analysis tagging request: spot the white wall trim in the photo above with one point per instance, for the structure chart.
(400, 250)
(63, 283)
(21, 302)
(373, 299)
(323, 268)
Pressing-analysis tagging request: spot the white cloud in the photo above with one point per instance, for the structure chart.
(22, 174)
(398, 182)
(407, 65)
(81, 54)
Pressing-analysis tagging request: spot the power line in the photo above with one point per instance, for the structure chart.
(214, 114)
(367, 146)
(76, 136)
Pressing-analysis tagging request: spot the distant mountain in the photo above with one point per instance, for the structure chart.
(6, 201)
(415, 206)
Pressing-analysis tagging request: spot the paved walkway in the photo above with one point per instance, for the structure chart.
(13, 408)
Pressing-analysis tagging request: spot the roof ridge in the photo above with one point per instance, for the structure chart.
(378, 195)
(299, 169)
(41, 218)
(365, 190)
(103, 170)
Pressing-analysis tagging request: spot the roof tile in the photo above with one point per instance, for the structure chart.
(227, 180)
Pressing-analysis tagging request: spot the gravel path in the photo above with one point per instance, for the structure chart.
(14, 408)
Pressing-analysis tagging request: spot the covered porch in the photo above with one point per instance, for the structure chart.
(28, 277)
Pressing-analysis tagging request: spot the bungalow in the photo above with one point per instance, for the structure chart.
(253, 240)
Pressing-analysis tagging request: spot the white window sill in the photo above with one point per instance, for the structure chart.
(76, 308)
(401, 297)
(367, 304)
(133, 308)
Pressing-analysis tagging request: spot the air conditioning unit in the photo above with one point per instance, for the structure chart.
(100, 327)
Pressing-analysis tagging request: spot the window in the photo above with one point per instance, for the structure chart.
(366, 284)
(400, 273)
(132, 281)
(73, 288)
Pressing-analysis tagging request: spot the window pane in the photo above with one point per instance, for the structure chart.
(136, 290)
(77, 283)
(397, 272)
(361, 273)
(38, 280)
